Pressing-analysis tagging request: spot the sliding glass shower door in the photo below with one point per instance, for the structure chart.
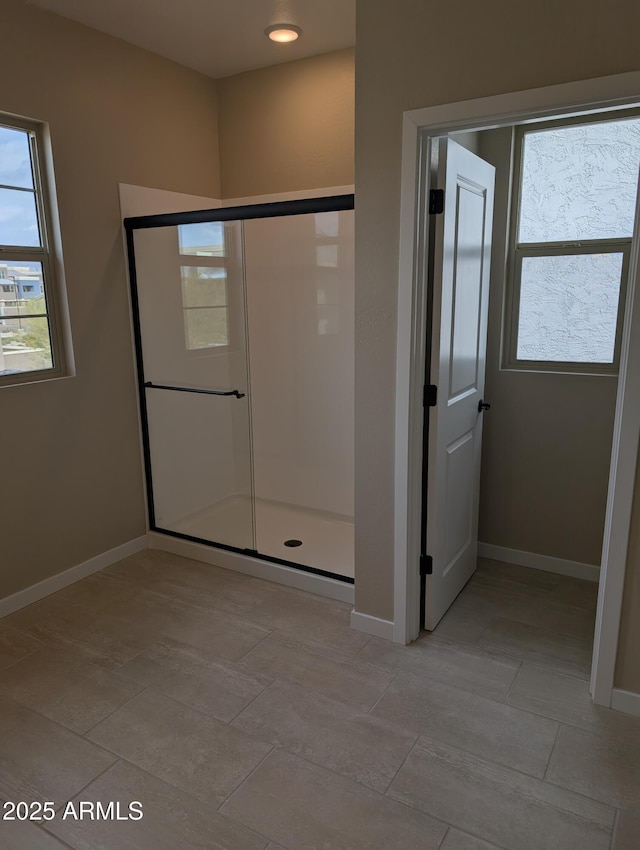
(189, 318)
(243, 324)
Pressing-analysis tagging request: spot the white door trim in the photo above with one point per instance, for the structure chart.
(419, 128)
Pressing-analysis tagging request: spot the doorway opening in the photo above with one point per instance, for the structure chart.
(591, 99)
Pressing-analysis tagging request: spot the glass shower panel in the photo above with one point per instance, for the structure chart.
(300, 294)
(192, 335)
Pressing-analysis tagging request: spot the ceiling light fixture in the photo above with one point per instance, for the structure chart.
(283, 33)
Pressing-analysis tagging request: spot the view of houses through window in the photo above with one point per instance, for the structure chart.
(26, 322)
(24, 329)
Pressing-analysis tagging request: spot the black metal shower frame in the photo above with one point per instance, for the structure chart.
(332, 203)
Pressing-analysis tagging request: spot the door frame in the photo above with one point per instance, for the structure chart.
(420, 128)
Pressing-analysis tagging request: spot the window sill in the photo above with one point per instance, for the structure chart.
(562, 369)
(21, 379)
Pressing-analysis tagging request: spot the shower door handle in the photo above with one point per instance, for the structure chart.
(153, 386)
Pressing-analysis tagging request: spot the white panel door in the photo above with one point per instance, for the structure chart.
(458, 355)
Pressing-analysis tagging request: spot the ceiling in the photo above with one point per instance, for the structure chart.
(217, 37)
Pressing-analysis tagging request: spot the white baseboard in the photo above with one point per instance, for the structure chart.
(50, 585)
(372, 625)
(575, 569)
(278, 573)
(626, 701)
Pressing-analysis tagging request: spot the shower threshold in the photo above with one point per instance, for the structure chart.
(325, 540)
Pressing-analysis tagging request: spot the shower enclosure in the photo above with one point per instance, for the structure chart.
(243, 324)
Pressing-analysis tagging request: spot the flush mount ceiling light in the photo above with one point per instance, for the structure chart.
(282, 33)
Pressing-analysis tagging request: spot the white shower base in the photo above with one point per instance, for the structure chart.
(327, 539)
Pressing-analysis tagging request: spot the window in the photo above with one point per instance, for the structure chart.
(574, 200)
(205, 300)
(31, 345)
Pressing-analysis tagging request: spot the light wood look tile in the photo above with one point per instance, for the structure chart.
(443, 661)
(24, 835)
(534, 609)
(462, 625)
(299, 805)
(249, 716)
(627, 833)
(577, 593)
(484, 727)
(328, 733)
(310, 618)
(106, 594)
(172, 820)
(567, 699)
(14, 645)
(457, 840)
(108, 631)
(40, 760)
(330, 673)
(602, 767)
(502, 806)
(65, 688)
(218, 688)
(203, 585)
(538, 646)
(217, 632)
(191, 750)
(511, 576)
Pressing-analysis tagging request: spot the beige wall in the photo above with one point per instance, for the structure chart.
(72, 484)
(413, 55)
(546, 445)
(289, 127)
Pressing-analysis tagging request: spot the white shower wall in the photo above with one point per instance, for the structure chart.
(300, 313)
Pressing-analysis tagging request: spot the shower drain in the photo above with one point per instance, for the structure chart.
(293, 542)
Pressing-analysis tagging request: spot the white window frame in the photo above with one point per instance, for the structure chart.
(49, 255)
(517, 251)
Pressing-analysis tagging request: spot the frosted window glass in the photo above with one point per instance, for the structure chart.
(327, 255)
(579, 182)
(327, 223)
(569, 308)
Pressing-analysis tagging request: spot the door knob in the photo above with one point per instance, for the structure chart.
(482, 405)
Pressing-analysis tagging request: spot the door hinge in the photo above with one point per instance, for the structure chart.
(426, 565)
(430, 397)
(436, 201)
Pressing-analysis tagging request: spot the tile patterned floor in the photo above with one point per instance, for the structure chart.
(247, 716)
